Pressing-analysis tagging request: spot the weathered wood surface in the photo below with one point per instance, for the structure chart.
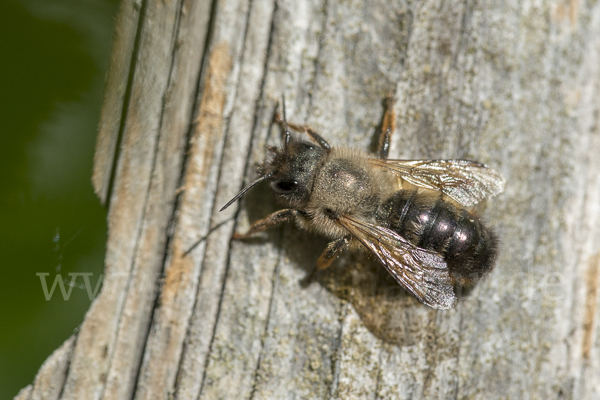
(513, 84)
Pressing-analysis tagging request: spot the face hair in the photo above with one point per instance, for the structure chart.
(244, 190)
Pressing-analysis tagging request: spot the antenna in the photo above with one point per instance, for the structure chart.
(244, 190)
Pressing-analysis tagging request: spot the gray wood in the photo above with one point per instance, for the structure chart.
(187, 313)
(124, 37)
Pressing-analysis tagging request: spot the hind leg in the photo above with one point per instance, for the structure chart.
(388, 126)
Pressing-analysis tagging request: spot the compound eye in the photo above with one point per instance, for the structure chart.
(283, 187)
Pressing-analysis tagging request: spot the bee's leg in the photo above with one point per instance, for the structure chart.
(329, 254)
(388, 126)
(306, 129)
(277, 218)
(317, 138)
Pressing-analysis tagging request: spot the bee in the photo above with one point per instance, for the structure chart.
(412, 215)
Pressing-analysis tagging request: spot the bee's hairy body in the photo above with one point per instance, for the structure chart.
(409, 214)
(345, 184)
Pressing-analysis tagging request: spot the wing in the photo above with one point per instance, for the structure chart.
(467, 182)
(422, 272)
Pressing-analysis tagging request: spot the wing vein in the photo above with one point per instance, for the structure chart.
(421, 272)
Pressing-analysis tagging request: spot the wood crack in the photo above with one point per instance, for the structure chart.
(125, 108)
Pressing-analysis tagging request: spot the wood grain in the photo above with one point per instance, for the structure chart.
(187, 313)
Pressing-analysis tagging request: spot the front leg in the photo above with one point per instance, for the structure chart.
(388, 126)
(306, 129)
(270, 221)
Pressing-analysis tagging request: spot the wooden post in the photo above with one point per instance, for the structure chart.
(186, 313)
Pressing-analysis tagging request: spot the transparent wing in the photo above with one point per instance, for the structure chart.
(467, 182)
(422, 272)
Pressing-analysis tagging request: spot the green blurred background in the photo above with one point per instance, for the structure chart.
(53, 58)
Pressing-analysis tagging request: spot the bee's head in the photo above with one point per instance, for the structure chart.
(291, 171)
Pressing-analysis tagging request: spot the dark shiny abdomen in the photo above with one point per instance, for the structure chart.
(429, 222)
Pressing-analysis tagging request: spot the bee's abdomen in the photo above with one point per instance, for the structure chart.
(467, 245)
